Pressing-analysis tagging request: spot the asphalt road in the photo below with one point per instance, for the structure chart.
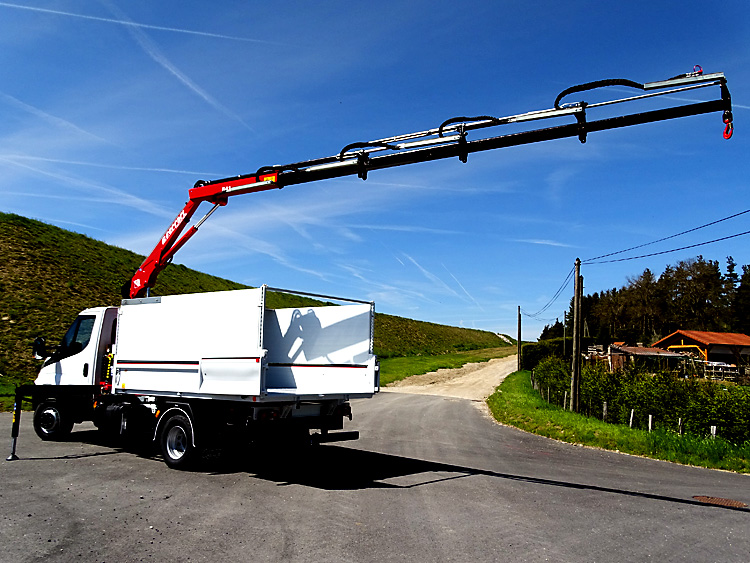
(431, 479)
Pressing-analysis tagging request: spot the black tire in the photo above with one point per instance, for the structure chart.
(176, 443)
(51, 422)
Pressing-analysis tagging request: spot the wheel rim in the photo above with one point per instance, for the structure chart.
(49, 421)
(177, 442)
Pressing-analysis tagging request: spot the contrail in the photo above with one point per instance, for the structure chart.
(107, 166)
(430, 276)
(153, 51)
(134, 24)
(116, 196)
(75, 224)
(46, 116)
(544, 242)
(405, 229)
(469, 295)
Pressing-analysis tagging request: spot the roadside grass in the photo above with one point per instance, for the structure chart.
(516, 403)
(7, 394)
(396, 369)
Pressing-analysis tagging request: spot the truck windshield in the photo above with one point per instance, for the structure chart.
(76, 339)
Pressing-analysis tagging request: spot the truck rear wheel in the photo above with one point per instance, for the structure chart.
(176, 441)
(52, 423)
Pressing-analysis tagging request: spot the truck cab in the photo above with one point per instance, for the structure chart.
(81, 356)
(75, 374)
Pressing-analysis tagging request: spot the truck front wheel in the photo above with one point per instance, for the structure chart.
(51, 423)
(176, 441)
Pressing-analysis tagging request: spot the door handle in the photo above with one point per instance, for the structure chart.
(85, 370)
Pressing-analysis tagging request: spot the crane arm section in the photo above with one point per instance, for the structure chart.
(448, 140)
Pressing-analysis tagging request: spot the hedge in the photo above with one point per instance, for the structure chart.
(699, 403)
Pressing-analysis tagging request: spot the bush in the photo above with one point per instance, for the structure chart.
(552, 376)
(534, 352)
(700, 404)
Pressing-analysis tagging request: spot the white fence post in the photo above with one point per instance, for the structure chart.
(650, 422)
(631, 417)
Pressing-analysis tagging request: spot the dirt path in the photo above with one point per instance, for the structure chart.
(474, 381)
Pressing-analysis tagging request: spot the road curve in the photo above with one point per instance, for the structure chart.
(432, 479)
(475, 381)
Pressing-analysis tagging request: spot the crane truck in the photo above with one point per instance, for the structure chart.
(183, 371)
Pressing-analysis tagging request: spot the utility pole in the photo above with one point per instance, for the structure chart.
(518, 340)
(575, 374)
(578, 337)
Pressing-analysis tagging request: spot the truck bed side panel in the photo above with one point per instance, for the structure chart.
(207, 343)
(320, 350)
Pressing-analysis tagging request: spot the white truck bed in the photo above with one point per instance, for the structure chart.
(228, 345)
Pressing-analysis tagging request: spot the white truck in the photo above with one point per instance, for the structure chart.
(187, 370)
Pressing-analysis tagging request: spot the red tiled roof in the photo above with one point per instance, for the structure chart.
(709, 338)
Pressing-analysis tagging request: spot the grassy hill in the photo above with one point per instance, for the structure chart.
(48, 275)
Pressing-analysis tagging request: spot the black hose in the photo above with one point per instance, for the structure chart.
(366, 145)
(464, 119)
(597, 84)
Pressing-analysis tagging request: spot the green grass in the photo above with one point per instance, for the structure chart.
(396, 369)
(7, 394)
(517, 404)
(400, 337)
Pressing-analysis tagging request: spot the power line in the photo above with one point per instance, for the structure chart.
(591, 260)
(539, 318)
(668, 251)
(554, 298)
(596, 260)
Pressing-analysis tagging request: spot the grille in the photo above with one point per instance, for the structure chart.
(721, 501)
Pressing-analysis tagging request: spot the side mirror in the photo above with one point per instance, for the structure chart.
(39, 348)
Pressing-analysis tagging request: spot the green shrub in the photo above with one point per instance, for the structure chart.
(700, 404)
(552, 377)
(534, 352)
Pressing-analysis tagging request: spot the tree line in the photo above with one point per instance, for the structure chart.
(693, 294)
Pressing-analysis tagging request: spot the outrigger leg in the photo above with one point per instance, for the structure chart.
(16, 424)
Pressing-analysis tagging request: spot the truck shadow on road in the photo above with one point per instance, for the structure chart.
(93, 438)
(340, 468)
(337, 468)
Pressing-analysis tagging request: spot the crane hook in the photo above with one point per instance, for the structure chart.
(728, 125)
(728, 130)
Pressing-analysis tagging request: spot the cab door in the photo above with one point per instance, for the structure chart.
(75, 359)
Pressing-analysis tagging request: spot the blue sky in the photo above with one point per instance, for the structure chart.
(111, 111)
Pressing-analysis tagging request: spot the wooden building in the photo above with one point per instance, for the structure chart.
(621, 355)
(725, 347)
